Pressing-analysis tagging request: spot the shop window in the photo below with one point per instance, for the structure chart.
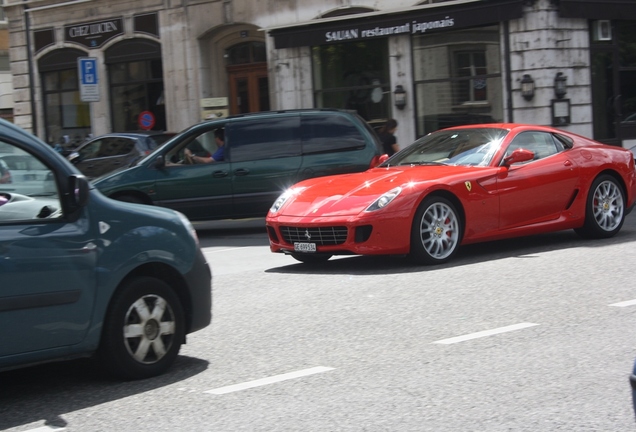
(470, 67)
(135, 75)
(136, 86)
(457, 78)
(68, 119)
(355, 76)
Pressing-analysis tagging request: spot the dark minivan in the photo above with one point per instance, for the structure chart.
(264, 153)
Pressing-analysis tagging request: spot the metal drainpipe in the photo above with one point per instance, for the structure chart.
(27, 28)
(506, 26)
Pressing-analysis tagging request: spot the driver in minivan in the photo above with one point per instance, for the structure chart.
(218, 156)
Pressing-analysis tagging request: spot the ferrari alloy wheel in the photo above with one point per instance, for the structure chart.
(143, 331)
(605, 209)
(436, 231)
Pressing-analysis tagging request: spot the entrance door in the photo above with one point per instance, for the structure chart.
(249, 88)
(613, 77)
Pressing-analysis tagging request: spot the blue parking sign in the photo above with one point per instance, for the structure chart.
(88, 79)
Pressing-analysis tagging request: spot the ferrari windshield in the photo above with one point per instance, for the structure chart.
(475, 147)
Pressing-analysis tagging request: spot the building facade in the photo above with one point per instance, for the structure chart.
(85, 67)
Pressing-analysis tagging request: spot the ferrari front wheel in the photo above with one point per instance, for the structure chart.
(436, 231)
(604, 209)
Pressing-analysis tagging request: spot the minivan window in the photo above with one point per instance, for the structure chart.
(263, 139)
(329, 133)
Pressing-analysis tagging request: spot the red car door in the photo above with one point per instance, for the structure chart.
(539, 190)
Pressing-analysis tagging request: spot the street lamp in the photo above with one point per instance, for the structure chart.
(527, 87)
(399, 97)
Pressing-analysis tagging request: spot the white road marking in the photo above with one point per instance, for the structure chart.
(485, 333)
(625, 303)
(270, 380)
(47, 429)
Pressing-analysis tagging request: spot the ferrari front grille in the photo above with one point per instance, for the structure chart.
(322, 236)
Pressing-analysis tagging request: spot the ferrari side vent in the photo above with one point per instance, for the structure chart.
(576, 192)
(322, 236)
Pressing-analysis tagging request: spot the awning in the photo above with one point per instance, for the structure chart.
(430, 18)
(595, 9)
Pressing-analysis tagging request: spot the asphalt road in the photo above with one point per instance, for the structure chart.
(533, 334)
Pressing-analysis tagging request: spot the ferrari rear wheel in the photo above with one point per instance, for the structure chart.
(311, 258)
(605, 209)
(436, 231)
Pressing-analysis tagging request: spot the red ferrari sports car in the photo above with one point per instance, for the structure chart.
(457, 186)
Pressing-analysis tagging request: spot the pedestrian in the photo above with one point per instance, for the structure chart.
(389, 142)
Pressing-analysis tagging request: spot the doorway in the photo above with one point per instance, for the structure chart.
(249, 88)
(247, 77)
(613, 51)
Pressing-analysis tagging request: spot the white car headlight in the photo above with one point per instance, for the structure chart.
(282, 199)
(384, 200)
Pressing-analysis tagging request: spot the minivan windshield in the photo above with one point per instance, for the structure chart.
(470, 147)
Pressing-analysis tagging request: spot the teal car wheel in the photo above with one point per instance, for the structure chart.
(143, 331)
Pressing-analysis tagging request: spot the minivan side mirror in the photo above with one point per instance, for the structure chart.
(160, 162)
(73, 157)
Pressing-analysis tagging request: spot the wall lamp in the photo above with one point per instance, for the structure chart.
(527, 87)
(399, 97)
(560, 85)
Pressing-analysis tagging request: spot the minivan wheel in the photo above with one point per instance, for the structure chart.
(311, 258)
(143, 330)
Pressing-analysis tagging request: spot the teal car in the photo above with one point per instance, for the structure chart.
(263, 154)
(82, 275)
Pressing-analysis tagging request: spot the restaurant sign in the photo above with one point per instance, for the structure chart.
(94, 34)
(412, 21)
(407, 27)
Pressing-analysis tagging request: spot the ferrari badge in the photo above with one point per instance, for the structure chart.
(469, 186)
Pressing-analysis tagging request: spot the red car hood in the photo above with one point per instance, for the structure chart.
(350, 194)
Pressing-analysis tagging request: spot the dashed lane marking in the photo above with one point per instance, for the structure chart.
(485, 333)
(624, 304)
(269, 380)
(47, 429)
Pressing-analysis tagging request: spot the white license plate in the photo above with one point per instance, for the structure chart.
(305, 247)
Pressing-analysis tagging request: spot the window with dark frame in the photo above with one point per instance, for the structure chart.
(471, 67)
(65, 113)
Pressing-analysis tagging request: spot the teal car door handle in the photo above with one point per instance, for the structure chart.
(241, 172)
(219, 174)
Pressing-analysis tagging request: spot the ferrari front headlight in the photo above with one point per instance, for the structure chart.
(282, 199)
(384, 200)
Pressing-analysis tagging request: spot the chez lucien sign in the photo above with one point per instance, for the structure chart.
(94, 34)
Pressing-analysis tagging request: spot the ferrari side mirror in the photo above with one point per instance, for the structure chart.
(519, 155)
